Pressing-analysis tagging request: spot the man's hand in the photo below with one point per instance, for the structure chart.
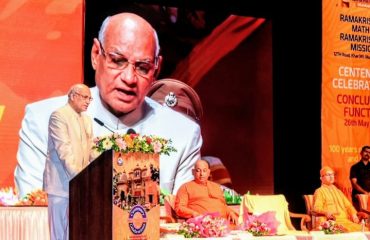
(355, 219)
(330, 216)
(233, 218)
(196, 214)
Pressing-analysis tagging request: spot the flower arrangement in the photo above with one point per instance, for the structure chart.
(189, 230)
(35, 198)
(261, 225)
(257, 228)
(204, 226)
(331, 227)
(9, 197)
(133, 142)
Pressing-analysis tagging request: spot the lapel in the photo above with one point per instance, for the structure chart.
(73, 119)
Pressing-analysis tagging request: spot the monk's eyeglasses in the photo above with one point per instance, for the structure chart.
(329, 175)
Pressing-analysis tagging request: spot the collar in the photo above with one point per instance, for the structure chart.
(98, 110)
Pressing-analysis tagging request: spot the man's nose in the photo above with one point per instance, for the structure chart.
(129, 75)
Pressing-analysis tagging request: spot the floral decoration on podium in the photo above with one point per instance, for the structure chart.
(131, 143)
(205, 226)
(331, 227)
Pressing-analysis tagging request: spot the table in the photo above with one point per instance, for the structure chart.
(170, 228)
(24, 223)
(31, 223)
(342, 236)
(319, 235)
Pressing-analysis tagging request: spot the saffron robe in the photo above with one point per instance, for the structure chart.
(328, 198)
(193, 199)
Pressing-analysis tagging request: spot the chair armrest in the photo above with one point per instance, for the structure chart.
(167, 219)
(298, 215)
(363, 214)
(317, 214)
(305, 219)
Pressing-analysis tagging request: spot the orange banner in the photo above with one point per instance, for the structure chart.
(345, 85)
(41, 46)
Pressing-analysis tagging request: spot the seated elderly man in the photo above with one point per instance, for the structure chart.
(331, 202)
(202, 196)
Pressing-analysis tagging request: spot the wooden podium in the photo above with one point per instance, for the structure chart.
(90, 200)
(115, 197)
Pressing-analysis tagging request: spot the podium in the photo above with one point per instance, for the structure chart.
(90, 200)
(115, 197)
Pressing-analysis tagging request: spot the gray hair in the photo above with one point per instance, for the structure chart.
(103, 29)
(74, 89)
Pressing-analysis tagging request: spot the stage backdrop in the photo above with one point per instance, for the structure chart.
(345, 85)
(41, 56)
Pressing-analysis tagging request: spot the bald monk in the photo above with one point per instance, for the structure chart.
(332, 202)
(202, 196)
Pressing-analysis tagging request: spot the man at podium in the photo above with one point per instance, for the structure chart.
(69, 151)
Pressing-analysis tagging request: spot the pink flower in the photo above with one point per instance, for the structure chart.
(157, 146)
(208, 225)
(261, 225)
(331, 227)
(121, 143)
(96, 140)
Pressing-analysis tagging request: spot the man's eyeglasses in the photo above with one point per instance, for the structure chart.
(84, 97)
(119, 62)
(329, 175)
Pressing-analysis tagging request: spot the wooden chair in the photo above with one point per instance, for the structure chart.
(258, 204)
(308, 200)
(363, 200)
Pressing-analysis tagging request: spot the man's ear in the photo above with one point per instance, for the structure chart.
(95, 50)
(156, 72)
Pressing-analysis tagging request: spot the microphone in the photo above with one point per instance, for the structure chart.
(131, 131)
(103, 125)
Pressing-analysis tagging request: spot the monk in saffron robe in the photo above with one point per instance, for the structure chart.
(332, 202)
(202, 196)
